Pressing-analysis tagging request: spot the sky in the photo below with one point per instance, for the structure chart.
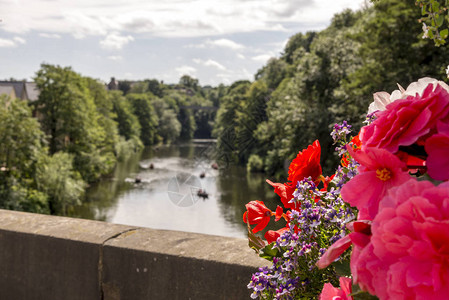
(215, 41)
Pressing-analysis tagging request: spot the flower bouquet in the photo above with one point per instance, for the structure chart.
(379, 226)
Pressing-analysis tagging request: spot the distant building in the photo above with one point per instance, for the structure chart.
(20, 89)
(32, 91)
(7, 90)
(113, 85)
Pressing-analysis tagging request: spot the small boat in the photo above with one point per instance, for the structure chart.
(214, 166)
(202, 175)
(202, 193)
(138, 179)
(151, 166)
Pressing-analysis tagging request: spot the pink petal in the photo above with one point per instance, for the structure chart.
(334, 251)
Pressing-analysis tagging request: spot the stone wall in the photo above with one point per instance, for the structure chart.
(48, 257)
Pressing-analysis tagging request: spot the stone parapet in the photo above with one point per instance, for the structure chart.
(48, 257)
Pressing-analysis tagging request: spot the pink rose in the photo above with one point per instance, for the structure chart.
(408, 254)
(331, 293)
(406, 120)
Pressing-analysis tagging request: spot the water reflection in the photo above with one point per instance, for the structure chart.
(166, 197)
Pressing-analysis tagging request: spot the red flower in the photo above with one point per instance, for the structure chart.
(257, 213)
(355, 144)
(285, 191)
(279, 213)
(306, 163)
(272, 236)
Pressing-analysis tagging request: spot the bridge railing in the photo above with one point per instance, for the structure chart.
(49, 257)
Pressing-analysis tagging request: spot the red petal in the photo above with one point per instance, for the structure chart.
(279, 213)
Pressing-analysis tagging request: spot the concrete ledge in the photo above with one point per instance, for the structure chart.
(48, 257)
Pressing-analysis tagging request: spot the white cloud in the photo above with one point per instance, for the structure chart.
(115, 41)
(19, 40)
(241, 56)
(263, 58)
(4, 43)
(115, 57)
(167, 18)
(186, 70)
(50, 35)
(226, 44)
(14, 42)
(223, 43)
(210, 63)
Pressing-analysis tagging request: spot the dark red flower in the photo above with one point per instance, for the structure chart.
(306, 163)
(257, 213)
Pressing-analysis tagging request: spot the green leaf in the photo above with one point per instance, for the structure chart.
(342, 267)
(254, 242)
(357, 293)
(268, 252)
(435, 6)
(440, 20)
(444, 33)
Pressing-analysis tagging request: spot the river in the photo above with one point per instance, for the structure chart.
(167, 195)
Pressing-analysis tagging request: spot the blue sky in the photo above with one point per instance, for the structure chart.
(214, 41)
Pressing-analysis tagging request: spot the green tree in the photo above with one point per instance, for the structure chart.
(189, 82)
(128, 124)
(21, 144)
(155, 87)
(106, 118)
(168, 127)
(148, 120)
(57, 179)
(226, 121)
(70, 119)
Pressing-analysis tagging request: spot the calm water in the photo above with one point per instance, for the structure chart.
(166, 197)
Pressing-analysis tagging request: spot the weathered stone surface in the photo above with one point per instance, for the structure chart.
(47, 257)
(54, 258)
(161, 264)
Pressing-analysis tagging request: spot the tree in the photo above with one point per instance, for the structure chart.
(128, 124)
(106, 116)
(168, 127)
(22, 143)
(70, 119)
(189, 82)
(148, 119)
(63, 185)
(155, 88)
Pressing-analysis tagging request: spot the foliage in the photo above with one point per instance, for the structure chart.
(168, 127)
(70, 118)
(255, 163)
(435, 19)
(147, 117)
(56, 177)
(22, 143)
(128, 124)
(30, 180)
(325, 77)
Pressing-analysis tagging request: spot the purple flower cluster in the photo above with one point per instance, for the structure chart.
(340, 131)
(320, 222)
